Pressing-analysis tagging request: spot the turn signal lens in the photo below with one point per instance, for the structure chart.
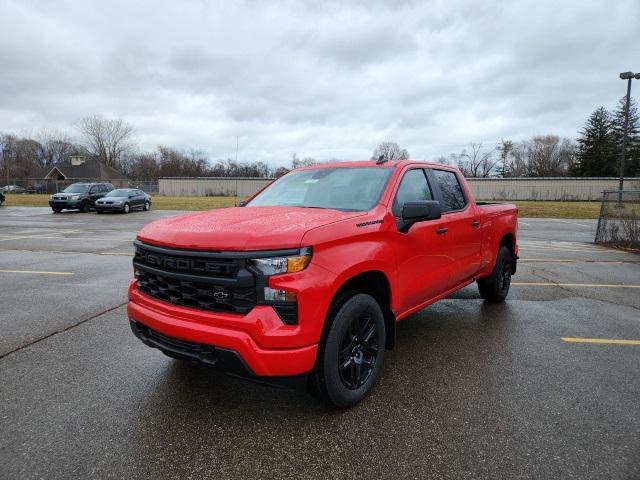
(297, 264)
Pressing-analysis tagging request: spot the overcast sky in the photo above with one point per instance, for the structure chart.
(321, 78)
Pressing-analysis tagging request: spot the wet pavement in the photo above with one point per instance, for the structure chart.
(471, 390)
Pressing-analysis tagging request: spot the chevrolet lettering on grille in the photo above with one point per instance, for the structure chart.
(179, 264)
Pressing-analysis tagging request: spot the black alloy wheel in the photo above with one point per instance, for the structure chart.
(351, 352)
(358, 352)
(495, 287)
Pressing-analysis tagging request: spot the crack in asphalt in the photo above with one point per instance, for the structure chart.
(573, 293)
(66, 329)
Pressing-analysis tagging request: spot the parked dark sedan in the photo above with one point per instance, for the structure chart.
(123, 200)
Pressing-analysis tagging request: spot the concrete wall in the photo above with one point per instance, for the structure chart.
(483, 188)
(211, 186)
(546, 188)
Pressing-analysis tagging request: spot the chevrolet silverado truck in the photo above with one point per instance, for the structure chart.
(309, 278)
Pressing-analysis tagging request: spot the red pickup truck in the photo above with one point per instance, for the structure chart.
(309, 278)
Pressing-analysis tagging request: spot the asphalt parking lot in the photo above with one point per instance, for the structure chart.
(471, 390)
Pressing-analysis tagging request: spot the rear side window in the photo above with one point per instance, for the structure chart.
(413, 188)
(452, 196)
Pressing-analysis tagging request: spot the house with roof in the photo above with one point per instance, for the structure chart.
(81, 168)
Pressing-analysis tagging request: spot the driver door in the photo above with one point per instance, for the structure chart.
(423, 265)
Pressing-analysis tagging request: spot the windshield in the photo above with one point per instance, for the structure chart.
(347, 189)
(76, 189)
(118, 193)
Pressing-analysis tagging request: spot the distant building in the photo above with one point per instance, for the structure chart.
(85, 169)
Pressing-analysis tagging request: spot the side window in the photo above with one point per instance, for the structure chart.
(413, 188)
(452, 196)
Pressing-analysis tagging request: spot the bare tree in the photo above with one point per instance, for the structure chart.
(54, 147)
(549, 156)
(109, 140)
(389, 151)
(302, 162)
(476, 163)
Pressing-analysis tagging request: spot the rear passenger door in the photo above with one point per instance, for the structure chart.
(423, 267)
(140, 198)
(462, 222)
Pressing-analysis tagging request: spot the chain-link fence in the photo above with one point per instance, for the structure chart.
(619, 222)
(151, 188)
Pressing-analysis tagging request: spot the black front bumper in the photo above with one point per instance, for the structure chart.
(222, 359)
(108, 208)
(65, 204)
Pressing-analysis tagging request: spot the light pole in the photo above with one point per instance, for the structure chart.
(628, 76)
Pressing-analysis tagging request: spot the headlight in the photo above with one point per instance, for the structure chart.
(75, 197)
(117, 202)
(275, 265)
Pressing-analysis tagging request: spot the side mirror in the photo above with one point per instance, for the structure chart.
(243, 203)
(413, 212)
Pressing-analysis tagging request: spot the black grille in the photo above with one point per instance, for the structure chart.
(204, 296)
(194, 279)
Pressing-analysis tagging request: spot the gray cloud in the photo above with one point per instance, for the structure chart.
(325, 79)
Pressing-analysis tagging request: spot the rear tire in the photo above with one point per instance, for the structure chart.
(495, 287)
(351, 353)
(84, 206)
(147, 206)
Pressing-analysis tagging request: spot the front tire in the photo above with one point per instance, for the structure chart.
(495, 287)
(84, 206)
(56, 209)
(126, 208)
(351, 354)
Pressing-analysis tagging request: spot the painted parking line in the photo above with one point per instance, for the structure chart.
(36, 272)
(579, 260)
(527, 248)
(572, 223)
(609, 341)
(573, 285)
(66, 252)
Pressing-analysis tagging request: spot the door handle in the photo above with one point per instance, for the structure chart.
(442, 230)
(475, 223)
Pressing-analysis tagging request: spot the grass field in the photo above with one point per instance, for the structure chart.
(159, 202)
(527, 208)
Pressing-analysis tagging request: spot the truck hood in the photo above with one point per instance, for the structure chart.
(240, 228)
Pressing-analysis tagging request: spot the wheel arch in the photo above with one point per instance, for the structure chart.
(376, 284)
(509, 240)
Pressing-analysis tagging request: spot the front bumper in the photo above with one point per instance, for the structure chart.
(108, 208)
(67, 204)
(259, 339)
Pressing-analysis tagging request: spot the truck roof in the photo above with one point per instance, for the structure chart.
(370, 163)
